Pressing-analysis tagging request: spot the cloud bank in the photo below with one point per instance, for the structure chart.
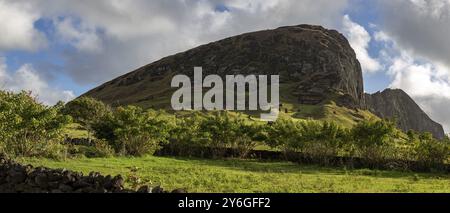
(110, 38)
(28, 79)
(17, 27)
(420, 65)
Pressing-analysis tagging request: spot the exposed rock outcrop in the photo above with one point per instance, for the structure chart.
(395, 103)
(317, 60)
(319, 64)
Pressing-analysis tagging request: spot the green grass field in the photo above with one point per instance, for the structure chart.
(198, 175)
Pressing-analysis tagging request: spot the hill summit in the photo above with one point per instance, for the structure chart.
(395, 103)
(320, 76)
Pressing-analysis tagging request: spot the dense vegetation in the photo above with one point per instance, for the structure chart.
(28, 128)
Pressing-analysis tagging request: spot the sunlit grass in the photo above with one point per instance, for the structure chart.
(198, 175)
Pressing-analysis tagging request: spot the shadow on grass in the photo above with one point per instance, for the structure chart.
(289, 167)
(256, 166)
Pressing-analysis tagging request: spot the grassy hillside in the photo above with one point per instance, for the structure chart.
(157, 95)
(251, 176)
(75, 130)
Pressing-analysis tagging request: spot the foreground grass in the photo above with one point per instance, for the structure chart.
(232, 175)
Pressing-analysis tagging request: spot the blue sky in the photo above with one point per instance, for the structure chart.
(51, 58)
(60, 49)
(364, 14)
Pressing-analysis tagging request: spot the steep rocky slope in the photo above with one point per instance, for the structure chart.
(395, 103)
(318, 61)
(319, 73)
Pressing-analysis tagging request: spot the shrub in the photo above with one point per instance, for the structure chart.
(103, 149)
(133, 131)
(216, 132)
(318, 140)
(185, 137)
(87, 111)
(246, 136)
(221, 130)
(322, 140)
(374, 139)
(284, 134)
(28, 128)
(104, 128)
(431, 152)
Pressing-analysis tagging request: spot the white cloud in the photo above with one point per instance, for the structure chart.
(26, 78)
(381, 36)
(114, 37)
(419, 79)
(427, 82)
(419, 26)
(360, 39)
(83, 37)
(17, 27)
(419, 52)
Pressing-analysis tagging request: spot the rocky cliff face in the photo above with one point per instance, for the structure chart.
(317, 60)
(315, 63)
(397, 104)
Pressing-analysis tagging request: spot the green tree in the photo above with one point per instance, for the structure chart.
(134, 131)
(87, 111)
(186, 136)
(285, 134)
(374, 139)
(217, 131)
(29, 128)
(322, 139)
(221, 130)
(246, 135)
(431, 152)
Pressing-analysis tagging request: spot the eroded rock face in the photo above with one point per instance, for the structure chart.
(399, 105)
(319, 63)
(317, 60)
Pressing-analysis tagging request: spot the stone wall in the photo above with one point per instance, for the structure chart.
(18, 178)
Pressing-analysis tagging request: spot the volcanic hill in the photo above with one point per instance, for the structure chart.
(320, 77)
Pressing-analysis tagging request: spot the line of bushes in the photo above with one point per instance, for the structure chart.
(28, 128)
(133, 131)
(378, 142)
